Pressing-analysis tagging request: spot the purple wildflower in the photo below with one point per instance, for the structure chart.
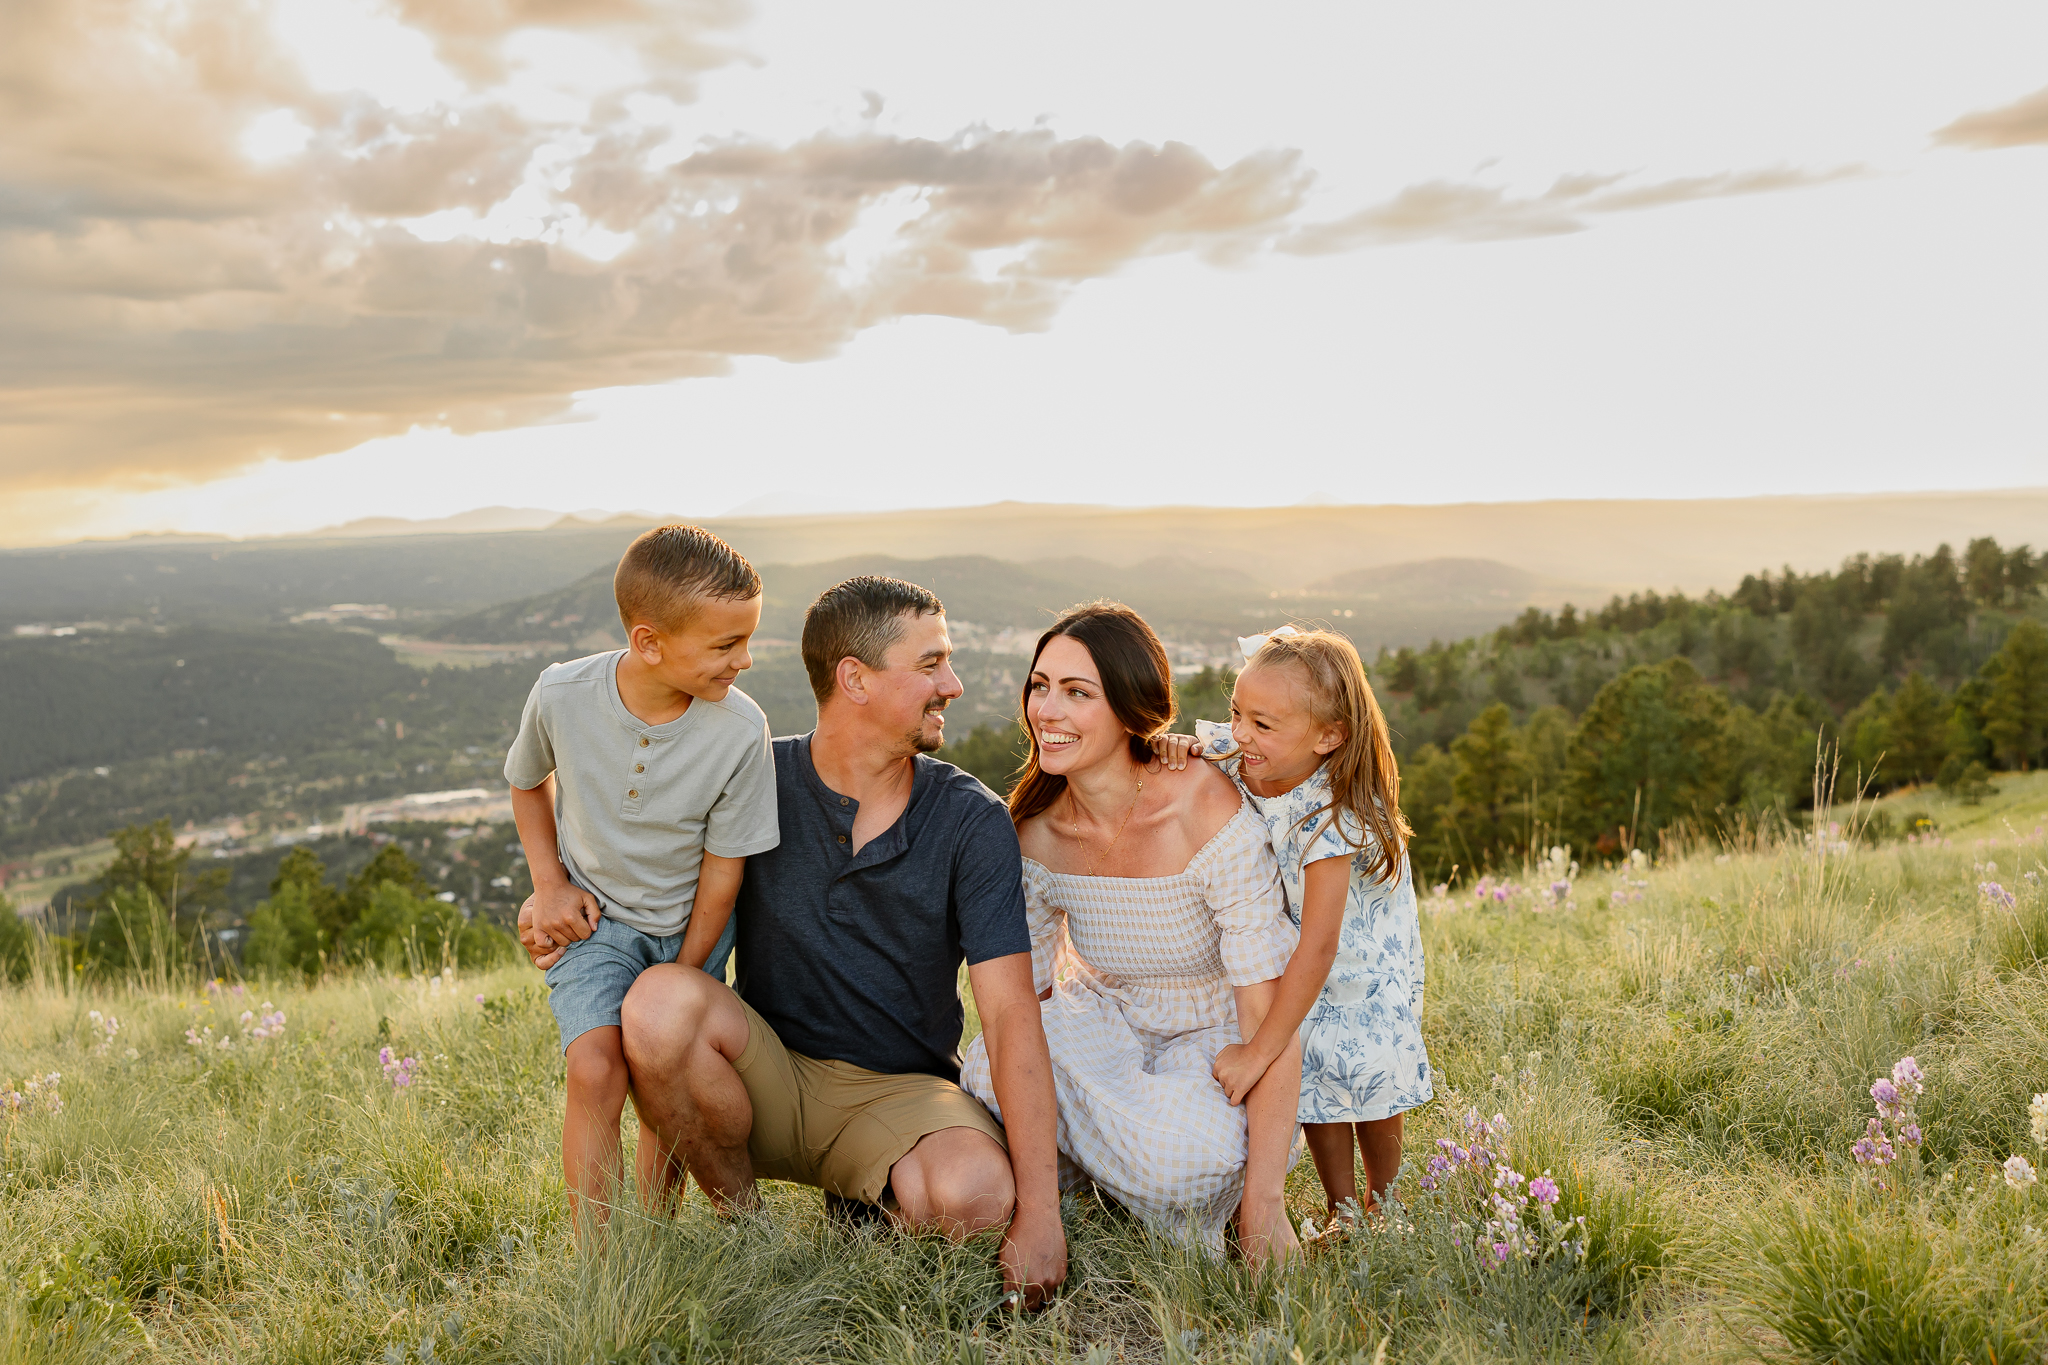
(1887, 1096)
(1907, 1076)
(1543, 1190)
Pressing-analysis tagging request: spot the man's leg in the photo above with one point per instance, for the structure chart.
(683, 1033)
(956, 1181)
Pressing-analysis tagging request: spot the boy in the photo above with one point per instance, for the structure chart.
(641, 781)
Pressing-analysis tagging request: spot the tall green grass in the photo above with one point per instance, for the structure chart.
(1687, 1048)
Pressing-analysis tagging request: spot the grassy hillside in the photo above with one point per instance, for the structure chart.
(1687, 1048)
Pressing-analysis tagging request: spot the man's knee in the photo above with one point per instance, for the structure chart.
(957, 1180)
(668, 1010)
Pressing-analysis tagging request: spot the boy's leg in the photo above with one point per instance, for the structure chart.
(1329, 1144)
(1379, 1143)
(590, 1127)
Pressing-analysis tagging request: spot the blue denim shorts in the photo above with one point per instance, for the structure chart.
(588, 984)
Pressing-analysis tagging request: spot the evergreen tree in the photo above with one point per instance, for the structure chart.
(1427, 781)
(1916, 730)
(1648, 752)
(2016, 709)
(1489, 787)
(1866, 741)
(14, 944)
(148, 856)
(1984, 572)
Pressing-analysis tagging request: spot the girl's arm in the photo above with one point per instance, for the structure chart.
(1326, 884)
(1263, 1229)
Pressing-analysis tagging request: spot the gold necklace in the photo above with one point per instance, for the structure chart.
(1075, 806)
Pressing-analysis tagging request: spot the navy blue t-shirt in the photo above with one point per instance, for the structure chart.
(857, 958)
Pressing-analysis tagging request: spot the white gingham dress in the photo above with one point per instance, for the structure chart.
(1142, 970)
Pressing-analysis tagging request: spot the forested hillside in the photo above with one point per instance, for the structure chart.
(1610, 728)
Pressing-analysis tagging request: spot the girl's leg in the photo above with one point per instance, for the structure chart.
(1379, 1143)
(1330, 1145)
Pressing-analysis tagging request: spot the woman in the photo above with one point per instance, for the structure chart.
(1158, 928)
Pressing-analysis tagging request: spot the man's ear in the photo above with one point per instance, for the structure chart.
(1331, 739)
(643, 639)
(852, 679)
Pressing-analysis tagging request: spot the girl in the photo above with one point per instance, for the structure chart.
(1307, 743)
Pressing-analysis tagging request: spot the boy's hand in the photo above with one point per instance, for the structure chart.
(544, 951)
(565, 914)
(1237, 1070)
(1173, 750)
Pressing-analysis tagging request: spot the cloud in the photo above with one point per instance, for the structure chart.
(1442, 210)
(177, 309)
(239, 255)
(2022, 123)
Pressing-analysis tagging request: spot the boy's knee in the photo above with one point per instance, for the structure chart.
(597, 1068)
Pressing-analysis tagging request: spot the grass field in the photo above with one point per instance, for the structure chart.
(1688, 1048)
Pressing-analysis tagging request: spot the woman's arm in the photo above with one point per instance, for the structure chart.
(1326, 883)
(1263, 1229)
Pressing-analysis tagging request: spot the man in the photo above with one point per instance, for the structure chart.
(835, 1062)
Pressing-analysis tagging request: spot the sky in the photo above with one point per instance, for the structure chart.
(271, 265)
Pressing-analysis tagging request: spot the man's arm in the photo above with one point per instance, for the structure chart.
(1034, 1251)
(718, 887)
(562, 912)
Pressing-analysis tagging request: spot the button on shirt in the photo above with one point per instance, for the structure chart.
(636, 805)
(855, 957)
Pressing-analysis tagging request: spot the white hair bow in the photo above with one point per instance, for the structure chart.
(1249, 645)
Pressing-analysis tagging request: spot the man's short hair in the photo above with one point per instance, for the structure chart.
(859, 619)
(666, 571)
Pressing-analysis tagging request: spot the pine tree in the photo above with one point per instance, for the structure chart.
(1916, 737)
(2016, 712)
(1490, 785)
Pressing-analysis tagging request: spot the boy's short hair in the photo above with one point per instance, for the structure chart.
(669, 569)
(859, 618)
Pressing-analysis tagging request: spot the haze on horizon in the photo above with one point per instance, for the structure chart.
(282, 264)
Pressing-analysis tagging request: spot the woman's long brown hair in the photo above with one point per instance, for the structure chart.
(1365, 782)
(1137, 682)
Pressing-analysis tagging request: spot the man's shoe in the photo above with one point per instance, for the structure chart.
(854, 1214)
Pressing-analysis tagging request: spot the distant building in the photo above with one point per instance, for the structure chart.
(466, 805)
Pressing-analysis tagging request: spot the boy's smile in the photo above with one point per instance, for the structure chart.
(663, 670)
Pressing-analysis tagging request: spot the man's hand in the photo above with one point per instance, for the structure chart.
(1237, 1070)
(1173, 750)
(1034, 1255)
(544, 951)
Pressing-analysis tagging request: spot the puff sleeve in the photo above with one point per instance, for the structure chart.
(1241, 885)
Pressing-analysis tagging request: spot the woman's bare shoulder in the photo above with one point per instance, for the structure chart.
(1036, 838)
(1201, 794)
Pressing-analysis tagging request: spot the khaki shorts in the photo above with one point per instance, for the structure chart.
(838, 1126)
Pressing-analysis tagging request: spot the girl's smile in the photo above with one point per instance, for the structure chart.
(1277, 739)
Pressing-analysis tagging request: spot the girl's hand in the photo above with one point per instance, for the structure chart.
(1237, 1070)
(1173, 750)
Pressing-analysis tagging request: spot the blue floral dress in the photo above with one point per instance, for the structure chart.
(1362, 1056)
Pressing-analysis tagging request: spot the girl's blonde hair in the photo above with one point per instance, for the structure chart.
(1365, 782)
